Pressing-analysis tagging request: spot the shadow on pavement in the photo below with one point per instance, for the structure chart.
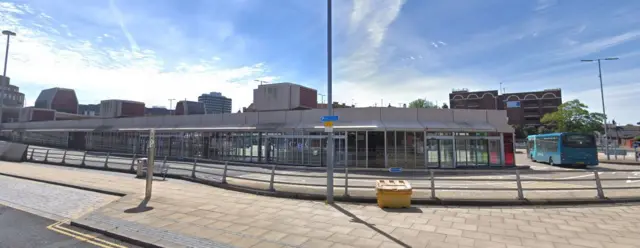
(141, 208)
(355, 219)
(412, 210)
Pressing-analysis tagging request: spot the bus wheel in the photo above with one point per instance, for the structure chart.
(551, 162)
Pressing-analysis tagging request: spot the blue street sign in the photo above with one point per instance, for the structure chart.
(329, 118)
(395, 169)
(636, 144)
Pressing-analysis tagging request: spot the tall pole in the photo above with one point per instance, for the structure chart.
(330, 142)
(606, 135)
(4, 72)
(606, 132)
(6, 56)
(171, 104)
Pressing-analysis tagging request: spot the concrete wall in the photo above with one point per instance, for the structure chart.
(374, 118)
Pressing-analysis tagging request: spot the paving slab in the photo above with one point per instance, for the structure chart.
(191, 214)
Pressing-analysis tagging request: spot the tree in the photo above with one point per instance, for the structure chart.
(573, 116)
(422, 103)
(445, 106)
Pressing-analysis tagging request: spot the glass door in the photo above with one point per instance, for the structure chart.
(446, 153)
(432, 146)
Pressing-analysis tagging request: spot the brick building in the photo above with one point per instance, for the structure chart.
(523, 108)
(58, 99)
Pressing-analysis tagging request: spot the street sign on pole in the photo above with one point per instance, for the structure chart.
(328, 126)
(329, 118)
(395, 169)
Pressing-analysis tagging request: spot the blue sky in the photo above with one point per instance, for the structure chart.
(392, 51)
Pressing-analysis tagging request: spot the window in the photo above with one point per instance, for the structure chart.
(547, 144)
(578, 141)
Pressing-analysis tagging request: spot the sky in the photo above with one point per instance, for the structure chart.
(384, 51)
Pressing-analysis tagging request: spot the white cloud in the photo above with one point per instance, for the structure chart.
(545, 4)
(40, 58)
(600, 44)
(123, 26)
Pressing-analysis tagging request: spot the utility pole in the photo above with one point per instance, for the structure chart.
(330, 142)
(321, 98)
(606, 133)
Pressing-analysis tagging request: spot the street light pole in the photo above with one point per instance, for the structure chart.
(330, 142)
(6, 59)
(171, 104)
(606, 135)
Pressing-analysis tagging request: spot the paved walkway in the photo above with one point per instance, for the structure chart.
(204, 216)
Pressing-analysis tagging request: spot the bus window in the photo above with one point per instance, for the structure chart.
(579, 141)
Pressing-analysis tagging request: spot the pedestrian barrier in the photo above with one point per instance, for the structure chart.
(427, 183)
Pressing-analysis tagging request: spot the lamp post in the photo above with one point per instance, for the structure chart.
(606, 135)
(330, 142)
(6, 58)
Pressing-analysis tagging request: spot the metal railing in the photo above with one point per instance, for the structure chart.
(359, 182)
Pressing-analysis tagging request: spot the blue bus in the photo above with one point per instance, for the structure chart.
(563, 149)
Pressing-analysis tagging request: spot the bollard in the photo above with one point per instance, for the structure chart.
(84, 157)
(346, 181)
(598, 185)
(64, 157)
(193, 172)
(433, 185)
(46, 156)
(106, 160)
(224, 172)
(273, 175)
(519, 185)
(133, 161)
(32, 151)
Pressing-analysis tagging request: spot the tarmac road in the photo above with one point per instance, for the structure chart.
(21, 229)
(316, 176)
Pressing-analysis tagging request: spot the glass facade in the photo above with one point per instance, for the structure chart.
(353, 148)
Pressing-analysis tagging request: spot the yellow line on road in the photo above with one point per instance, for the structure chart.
(56, 227)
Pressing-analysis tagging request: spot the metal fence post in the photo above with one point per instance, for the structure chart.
(519, 185)
(133, 161)
(193, 172)
(598, 185)
(273, 176)
(32, 151)
(224, 172)
(163, 169)
(84, 157)
(346, 181)
(433, 185)
(106, 160)
(64, 157)
(46, 156)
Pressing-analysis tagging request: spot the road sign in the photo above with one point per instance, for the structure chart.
(395, 169)
(329, 118)
(636, 144)
(328, 124)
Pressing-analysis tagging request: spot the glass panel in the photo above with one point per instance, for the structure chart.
(391, 149)
(433, 156)
(462, 152)
(494, 152)
(446, 153)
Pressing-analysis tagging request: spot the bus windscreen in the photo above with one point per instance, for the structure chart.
(579, 141)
